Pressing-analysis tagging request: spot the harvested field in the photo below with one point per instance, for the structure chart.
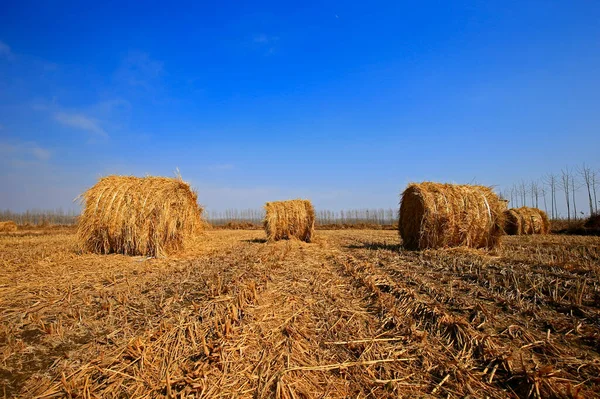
(349, 315)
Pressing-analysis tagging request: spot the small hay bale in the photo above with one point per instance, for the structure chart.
(435, 215)
(149, 216)
(526, 221)
(289, 219)
(8, 226)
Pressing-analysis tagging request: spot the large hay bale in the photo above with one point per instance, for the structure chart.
(435, 215)
(151, 216)
(525, 220)
(8, 226)
(289, 219)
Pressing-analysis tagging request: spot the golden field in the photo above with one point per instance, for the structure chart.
(351, 314)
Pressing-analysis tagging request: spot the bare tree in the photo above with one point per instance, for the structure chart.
(574, 187)
(594, 181)
(588, 176)
(543, 193)
(552, 181)
(534, 190)
(523, 192)
(503, 194)
(512, 197)
(565, 185)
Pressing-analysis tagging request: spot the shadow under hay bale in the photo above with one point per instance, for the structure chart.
(593, 222)
(8, 226)
(526, 221)
(435, 215)
(289, 219)
(150, 216)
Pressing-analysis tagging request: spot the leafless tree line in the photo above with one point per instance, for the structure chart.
(351, 216)
(38, 217)
(537, 193)
(219, 218)
(550, 187)
(358, 216)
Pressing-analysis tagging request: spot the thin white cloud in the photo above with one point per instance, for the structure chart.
(5, 51)
(40, 153)
(264, 41)
(139, 70)
(80, 121)
(23, 152)
(109, 106)
(261, 38)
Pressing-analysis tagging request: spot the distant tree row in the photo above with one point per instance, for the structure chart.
(545, 193)
(351, 216)
(39, 217)
(553, 188)
(234, 215)
(358, 216)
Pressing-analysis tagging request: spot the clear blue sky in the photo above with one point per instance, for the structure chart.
(341, 102)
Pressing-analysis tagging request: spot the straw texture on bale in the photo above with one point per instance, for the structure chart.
(525, 221)
(150, 216)
(8, 226)
(289, 219)
(435, 215)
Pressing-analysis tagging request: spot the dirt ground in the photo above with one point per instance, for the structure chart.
(350, 315)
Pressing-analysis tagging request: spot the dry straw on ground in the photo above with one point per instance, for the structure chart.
(151, 216)
(434, 215)
(526, 220)
(289, 219)
(8, 226)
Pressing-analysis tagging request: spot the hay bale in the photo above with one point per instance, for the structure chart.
(8, 226)
(526, 221)
(435, 215)
(593, 222)
(289, 219)
(150, 216)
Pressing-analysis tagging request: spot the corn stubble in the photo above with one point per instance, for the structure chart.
(349, 315)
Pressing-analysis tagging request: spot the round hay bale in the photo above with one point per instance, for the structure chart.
(435, 215)
(526, 221)
(289, 219)
(513, 225)
(8, 226)
(149, 216)
(593, 222)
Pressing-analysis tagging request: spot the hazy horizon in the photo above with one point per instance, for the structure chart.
(343, 103)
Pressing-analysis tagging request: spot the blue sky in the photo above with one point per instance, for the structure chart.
(340, 102)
